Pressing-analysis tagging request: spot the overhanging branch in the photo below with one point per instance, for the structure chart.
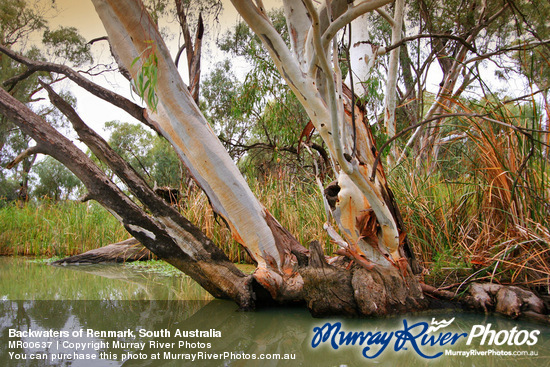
(125, 104)
(384, 50)
(525, 131)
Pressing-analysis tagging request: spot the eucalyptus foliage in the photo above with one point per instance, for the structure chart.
(257, 117)
(19, 20)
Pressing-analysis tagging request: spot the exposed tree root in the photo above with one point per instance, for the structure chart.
(510, 301)
(345, 289)
(331, 290)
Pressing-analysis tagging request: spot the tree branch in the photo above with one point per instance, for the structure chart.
(525, 131)
(104, 38)
(279, 52)
(105, 153)
(11, 82)
(384, 50)
(391, 84)
(386, 16)
(26, 153)
(179, 243)
(298, 24)
(178, 55)
(522, 47)
(133, 109)
(348, 16)
(329, 75)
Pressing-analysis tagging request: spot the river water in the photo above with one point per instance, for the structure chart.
(119, 315)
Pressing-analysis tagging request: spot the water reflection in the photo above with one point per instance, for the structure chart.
(269, 331)
(24, 279)
(280, 331)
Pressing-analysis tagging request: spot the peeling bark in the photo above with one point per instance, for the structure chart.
(316, 90)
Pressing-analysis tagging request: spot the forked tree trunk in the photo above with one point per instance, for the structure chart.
(372, 277)
(164, 231)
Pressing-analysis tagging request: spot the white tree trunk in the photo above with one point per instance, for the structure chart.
(391, 83)
(132, 35)
(315, 86)
(362, 56)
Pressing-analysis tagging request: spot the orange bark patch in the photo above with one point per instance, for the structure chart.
(368, 227)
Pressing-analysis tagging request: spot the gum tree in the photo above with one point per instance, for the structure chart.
(372, 276)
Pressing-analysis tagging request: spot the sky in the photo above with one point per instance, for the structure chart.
(81, 15)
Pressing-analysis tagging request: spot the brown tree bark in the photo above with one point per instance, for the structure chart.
(125, 251)
(193, 49)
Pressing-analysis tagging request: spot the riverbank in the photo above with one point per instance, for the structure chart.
(66, 228)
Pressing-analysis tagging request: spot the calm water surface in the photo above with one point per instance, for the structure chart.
(121, 298)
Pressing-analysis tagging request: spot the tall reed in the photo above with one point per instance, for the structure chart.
(296, 205)
(56, 229)
(67, 228)
(486, 207)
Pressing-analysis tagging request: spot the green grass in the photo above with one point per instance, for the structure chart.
(56, 229)
(68, 228)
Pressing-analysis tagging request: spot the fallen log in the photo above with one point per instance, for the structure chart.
(125, 251)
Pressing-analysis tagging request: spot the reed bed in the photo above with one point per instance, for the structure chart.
(296, 205)
(66, 228)
(485, 211)
(56, 229)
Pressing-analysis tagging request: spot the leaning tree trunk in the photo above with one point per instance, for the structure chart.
(133, 35)
(166, 233)
(360, 200)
